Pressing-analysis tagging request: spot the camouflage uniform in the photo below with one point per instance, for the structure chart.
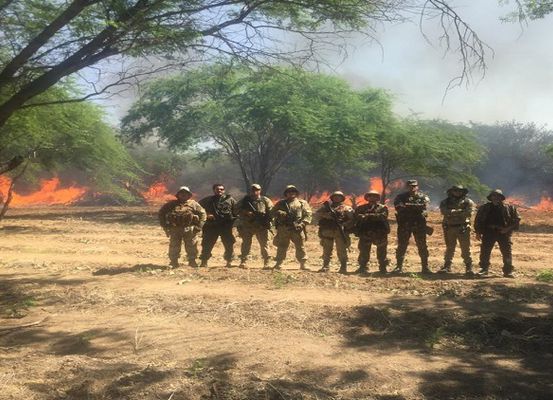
(254, 219)
(182, 221)
(411, 220)
(290, 221)
(222, 210)
(333, 227)
(372, 227)
(457, 213)
(496, 223)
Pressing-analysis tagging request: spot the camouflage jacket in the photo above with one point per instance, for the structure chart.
(371, 218)
(221, 208)
(343, 214)
(411, 208)
(456, 211)
(254, 212)
(181, 214)
(290, 213)
(509, 216)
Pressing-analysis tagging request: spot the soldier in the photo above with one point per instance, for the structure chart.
(182, 220)
(220, 218)
(291, 216)
(335, 220)
(254, 219)
(372, 227)
(457, 211)
(495, 222)
(411, 220)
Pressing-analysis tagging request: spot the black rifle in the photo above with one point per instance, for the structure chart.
(264, 219)
(339, 224)
(291, 221)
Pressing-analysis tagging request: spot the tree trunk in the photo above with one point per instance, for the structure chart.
(9, 197)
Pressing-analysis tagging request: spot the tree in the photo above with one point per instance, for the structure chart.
(59, 137)
(433, 149)
(259, 118)
(517, 158)
(44, 42)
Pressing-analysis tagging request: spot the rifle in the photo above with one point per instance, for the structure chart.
(339, 224)
(290, 220)
(264, 219)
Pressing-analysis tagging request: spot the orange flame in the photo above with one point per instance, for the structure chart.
(49, 193)
(545, 204)
(157, 193)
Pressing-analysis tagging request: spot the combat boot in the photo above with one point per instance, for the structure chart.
(204, 264)
(362, 270)
(193, 263)
(468, 271)
(278, 266)
(302, 266)
(266, 264)
(343, 267)
(483, 272)
(243, 264)
(399, 267)
(446, 268)
(228, 264)
(325, 267)
(174, 264)
(425, 270)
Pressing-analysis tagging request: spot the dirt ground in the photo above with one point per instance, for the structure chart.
(90, 310)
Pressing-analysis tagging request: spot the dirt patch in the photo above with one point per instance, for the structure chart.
(90, 310)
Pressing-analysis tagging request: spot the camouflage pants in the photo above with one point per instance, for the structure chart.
(209, 238)
(404, 233)
(178, 236)
(452, 235)
(328, 238)
(366, 240)
(283, 237)
(262, 236)
(505, 247)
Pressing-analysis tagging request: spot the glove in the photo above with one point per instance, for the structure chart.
(298, 226)
(195, 219)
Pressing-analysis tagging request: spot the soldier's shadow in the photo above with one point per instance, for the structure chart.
(131, 269)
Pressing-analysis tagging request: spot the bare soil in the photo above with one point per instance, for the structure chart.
(90, 310)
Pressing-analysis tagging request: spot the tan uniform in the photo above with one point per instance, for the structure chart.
(290, 221)
(182, 221)
(254, 219)
(329, 231)
(457, 214)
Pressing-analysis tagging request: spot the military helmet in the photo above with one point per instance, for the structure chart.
(291, 188)
(338, 193)
(499, 192)
(412, 182)
(371, 193)
(183, 189)
(256, 186)
(458, 187)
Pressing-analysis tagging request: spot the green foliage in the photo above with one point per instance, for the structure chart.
(529, 9)
(520, 149)
(545, 275)
(430, 149)
(259, 118)
(74, 135)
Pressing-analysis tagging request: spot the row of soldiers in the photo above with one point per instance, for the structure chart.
(255, 215)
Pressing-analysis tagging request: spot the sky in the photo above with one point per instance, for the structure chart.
(518, 84)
